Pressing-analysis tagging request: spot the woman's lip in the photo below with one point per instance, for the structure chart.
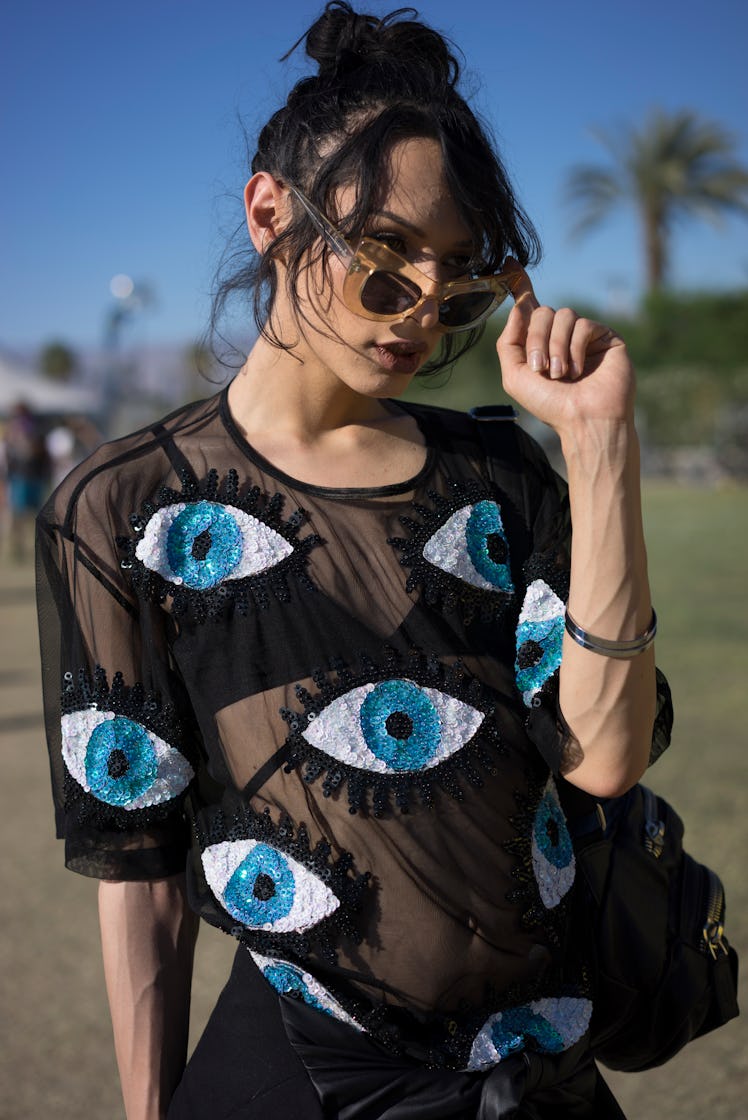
(399, 357)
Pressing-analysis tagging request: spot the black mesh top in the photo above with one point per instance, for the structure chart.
(337, 709)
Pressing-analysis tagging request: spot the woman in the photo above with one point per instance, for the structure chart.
(310, 642)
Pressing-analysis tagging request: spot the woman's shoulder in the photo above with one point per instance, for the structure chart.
(488, 432)
(121, 473)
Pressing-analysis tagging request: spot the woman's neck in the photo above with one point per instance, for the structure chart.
(277, 390)
(317, 429)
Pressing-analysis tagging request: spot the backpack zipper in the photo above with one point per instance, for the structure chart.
(713, 930)
(654, 828)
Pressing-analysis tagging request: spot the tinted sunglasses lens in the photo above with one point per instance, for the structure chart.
(384, 293)
(459, 310)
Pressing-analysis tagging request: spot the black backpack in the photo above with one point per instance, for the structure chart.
(663, 971)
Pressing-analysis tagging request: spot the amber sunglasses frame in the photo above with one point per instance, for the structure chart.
(370, 257)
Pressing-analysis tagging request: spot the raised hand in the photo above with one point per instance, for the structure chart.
(564, 369)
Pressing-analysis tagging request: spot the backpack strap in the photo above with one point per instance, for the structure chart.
(495, 430)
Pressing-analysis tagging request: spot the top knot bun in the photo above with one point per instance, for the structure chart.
(343, 42)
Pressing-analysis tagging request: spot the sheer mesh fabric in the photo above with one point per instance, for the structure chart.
(252, 677)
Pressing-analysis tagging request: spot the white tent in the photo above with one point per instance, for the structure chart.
(20, 383)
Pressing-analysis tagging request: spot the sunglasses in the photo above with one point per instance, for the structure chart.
(381, 285)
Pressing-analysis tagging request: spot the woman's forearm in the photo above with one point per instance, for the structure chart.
(608, 704)
(148, 938)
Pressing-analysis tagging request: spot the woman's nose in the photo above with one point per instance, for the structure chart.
(426, 314)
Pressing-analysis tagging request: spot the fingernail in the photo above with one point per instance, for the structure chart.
(537, 361)
(556, 367)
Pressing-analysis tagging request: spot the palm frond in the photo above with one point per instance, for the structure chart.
(677, 164)
(592, 192)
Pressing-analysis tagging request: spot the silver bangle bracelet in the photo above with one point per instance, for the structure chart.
(620, 650)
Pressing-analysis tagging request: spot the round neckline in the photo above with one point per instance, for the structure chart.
(265, 465)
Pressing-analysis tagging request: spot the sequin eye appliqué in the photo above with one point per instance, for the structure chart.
(122, 769)
(268, 887)
(211, 543)
(552, 852)
(393, 733)
(540, 633)
(290, 979)
(548, 1026)
(459, 552)
(547, 866)
(393, 727)
(121, 762)
(265, 889)
(472, 545)
(201, 544)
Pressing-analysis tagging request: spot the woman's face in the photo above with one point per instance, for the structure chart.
(420, 221)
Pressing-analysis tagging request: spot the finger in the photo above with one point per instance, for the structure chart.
(538, 338)
(584, 335)
(510, 345)
(560, 339)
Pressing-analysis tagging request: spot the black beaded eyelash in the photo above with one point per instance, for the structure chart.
(196, 545)
(408, 698)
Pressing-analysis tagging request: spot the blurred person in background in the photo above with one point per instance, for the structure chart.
(28, 473)
(68, 442)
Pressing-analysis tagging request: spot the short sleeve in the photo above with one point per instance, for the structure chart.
(541, 623)
(122, 742)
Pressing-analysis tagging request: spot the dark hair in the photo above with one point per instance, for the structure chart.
(379, 81)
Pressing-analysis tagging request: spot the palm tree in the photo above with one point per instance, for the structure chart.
(677, 165)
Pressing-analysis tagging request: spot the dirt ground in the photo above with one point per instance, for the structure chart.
(56, 1056)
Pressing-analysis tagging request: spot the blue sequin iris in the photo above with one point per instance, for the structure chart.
(512, 1031)
(400, 724)
(204, 544)
(261, 889)
(121, 762)
(487, 545)
(539, 645)
(285, 978)
(551, 832)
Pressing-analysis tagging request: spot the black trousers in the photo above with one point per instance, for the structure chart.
(245, 1068)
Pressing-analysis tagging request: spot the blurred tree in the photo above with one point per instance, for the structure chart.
(58, 361)
(677, 165)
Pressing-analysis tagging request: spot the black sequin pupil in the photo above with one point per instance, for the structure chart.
(529, 653)
(264, 887)
(399, 725)
(201, 545)
(496, 548)
(552, 830)
(117, 764)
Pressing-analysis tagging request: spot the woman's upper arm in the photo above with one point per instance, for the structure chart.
(121, 738)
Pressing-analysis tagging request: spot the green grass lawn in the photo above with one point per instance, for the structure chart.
(697, 544)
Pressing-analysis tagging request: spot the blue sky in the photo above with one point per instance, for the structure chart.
(122, 149)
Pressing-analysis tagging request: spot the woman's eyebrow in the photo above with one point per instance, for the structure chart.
(466, 244)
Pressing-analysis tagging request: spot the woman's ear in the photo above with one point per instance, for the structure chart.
(267, 207)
